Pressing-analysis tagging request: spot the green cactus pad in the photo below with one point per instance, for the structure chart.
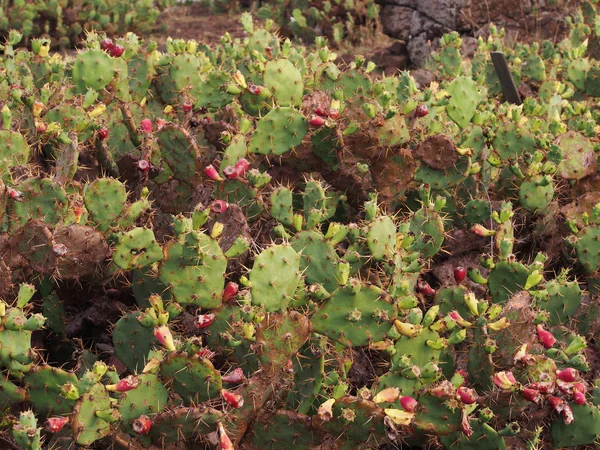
(506, 279)
(583, 431)
(105, 200)
(193, 378)
(87, 427)
(281, 206)
(285, 81)
(355, 315)
(14, 151)
(512, 141)
(132, 341)
(275, 276)
(200, 284)
(137, 248)
(182, 423)
(579, 159)
(150, 397)
(464, 98)
(381, 238)
(43, 384)
(484, 437)
(428, 229)
(281, 130)
(43, 199)
(318, 259)
(536, 194)
(93, 69)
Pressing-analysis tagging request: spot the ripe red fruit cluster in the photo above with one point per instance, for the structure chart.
(114, 50)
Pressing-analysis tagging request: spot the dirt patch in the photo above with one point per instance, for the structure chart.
(195, 22)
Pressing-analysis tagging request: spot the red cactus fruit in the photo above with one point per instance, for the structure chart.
(230, 291)
(219, 206)
(546, 338)
(142, 425)
(205, 353)
(106, 44)
(233, 399)
(116, 51)
(241, 167)
(146, 125)
(408, 404)
(205, 320)
(421, 111)
(187, 106)
(531, 395)
(103, 133)
(224, 441)
(466, 395)
(321, 111)
(212, 173)
(55, 424)
(316, 121)
(254, 89)
(424, 288)
(143, 165)
(569, 375)
(230, 173)
(460, 274)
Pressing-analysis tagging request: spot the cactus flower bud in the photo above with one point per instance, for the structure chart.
(460, 273)
(531, 395)
(164, 337)
(212, 173)
(505, 380)
(399, 417)
(546, 338)
(126, 384)
(568, 375)
(204, 320)
(55, 424)
(480, 230)
(37, 108)
(472, 303)
(455, 315)
(240, 80)
(408, 404)
(219, 206)
(499, 324)
(236, 376)
(233, 399)
(142, 425)
(230, 291)
(224, 441)
(521, 354)
(241, 167)
(467, 396)
(388, 395)
(325, 411)
(406, 329)
(316, 121)
(217, 229)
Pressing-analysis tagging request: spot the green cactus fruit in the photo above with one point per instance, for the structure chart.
(355, 315)
(275, 276)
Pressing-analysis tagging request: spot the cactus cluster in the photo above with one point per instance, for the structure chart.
(247, 245)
